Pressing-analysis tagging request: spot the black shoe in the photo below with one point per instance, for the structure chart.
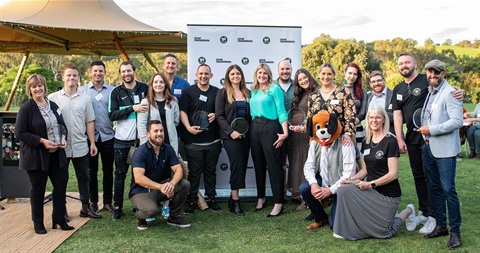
(309, 217)
(472, 154)
(190, 208)
(212, 204)
(275, 215)
(117, 213)
(86, 212)
(455, 241)
(67, 218)
(437, 231)
(142, 224)
(236, 208)
(94, 207)
(63, 225)
(39, 228)
(178, 222)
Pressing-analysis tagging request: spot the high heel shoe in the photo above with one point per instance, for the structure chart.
(39, 228)
(236, 208)
(276, 215)
(263, 206)
(63, 225)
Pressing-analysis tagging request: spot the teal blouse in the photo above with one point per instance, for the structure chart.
(269, 104)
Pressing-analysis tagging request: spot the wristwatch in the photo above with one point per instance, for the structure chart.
(372, 183)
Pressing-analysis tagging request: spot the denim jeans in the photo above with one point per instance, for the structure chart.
(473, 137)
(441, 179)
(315, 206)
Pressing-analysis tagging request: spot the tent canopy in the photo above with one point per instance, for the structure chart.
(86, 27)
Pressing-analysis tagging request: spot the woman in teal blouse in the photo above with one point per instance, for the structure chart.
(268, 131)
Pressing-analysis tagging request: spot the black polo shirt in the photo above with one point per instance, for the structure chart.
(157, 168)
(408, 98)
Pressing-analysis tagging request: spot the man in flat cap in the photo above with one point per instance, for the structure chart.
(442, 117)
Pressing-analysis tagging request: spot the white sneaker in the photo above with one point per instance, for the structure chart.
(421, 219)
(411, 221)
(337, 236)
(429, 226)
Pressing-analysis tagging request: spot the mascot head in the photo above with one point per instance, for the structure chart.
(324, 128)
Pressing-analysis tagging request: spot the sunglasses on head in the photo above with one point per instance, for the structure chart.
(435, 71)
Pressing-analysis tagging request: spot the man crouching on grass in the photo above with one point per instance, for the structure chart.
(153, 163)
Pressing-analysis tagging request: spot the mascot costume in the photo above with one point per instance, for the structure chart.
(327, 163)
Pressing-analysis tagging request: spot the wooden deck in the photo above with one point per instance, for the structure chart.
(16, 226)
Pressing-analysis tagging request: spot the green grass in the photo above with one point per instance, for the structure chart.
(459, 51)
(225, 232)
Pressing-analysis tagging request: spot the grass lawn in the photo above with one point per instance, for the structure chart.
(225, 232)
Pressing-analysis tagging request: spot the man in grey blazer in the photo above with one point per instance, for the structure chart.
(442, 117)
(380, 95)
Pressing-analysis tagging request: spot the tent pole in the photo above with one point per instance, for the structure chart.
(17, 80)
(150, 61)
(123, 53)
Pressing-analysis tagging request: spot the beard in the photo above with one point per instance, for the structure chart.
(155, 142)
(408, 74)
(128, 79)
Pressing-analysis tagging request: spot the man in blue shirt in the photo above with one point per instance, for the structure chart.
(99, 91)
(153, 182)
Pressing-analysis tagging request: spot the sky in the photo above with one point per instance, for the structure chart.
(360, 20)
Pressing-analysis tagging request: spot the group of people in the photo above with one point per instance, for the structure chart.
(337, 158)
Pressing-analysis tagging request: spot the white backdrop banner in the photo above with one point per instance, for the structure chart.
(220, 46)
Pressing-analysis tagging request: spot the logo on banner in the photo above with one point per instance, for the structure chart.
(265, 61)
(285, 40)
(223, 166)
(202, 60)
(200, 39)
(288, 59)
(266, 40)
(221, 60)
(222, 81)
(223, 39)
(244, 40)
(245, 61)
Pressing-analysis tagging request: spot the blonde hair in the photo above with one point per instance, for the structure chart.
(34, 80)
(256, 84)
(376, 109)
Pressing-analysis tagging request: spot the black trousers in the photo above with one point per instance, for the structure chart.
(202, 159)
(121, 169)
(262, 136)
(237, 151)
(421, 182)
(38, 179)
(107, 154)
(81, 172)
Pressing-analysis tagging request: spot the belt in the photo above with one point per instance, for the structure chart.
(262, 120)
(427, 142)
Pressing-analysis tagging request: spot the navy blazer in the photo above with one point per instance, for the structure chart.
(30, 127)
(225, 113)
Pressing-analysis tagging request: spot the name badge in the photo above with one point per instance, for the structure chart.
(390, 107)
(177, 91)
(59, 112)
(366, 152)
(136, 99)
(99, 96)
(203, 98)
(399, 97)
(334, 102)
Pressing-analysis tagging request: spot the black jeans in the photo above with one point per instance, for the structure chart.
(105, 149)
(237, 151)
(121, 169)
(262, 136)
(38, 179)
(202, 159)
(421, 182)
(81, 172)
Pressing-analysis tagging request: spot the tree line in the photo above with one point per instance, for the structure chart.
(463, 70)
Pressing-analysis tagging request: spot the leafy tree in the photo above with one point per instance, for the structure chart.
(448, 42)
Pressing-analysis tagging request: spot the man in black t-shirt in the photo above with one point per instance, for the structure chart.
(408, 96)
(202, 146)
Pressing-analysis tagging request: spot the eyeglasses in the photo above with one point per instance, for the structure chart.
(435, 71)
